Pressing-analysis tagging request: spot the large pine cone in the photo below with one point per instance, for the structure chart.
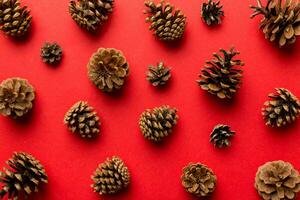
(220, 77)
(14, 19)
(281, 23)
(198, 180)
(108, 69)
(158, 75)
(157, 123)
(25, 176)
(51, 53)
(212, 12)
(111, 176)
(166, 24)
(16, 97)
(221, 135)
(277, 180)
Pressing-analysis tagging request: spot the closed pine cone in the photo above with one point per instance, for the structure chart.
(83, 120)
(25, 176)
(220, 76)
(156, 124)
(51, 53)
(108, 69)
(282, 108)
(277, 180)
(16, 97)
(221, 135)
(167, 24)
(212, 12)
(198, 180)
(111, 176)
(280, 22)
(158, 75)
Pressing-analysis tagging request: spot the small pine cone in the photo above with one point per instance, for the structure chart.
(25, 176)
(158, 75)
(111, 176)
(90, 14)
(280, 21)
(166, 24)
(198, 180)
(221, 135)
(156, 124)
(108, 69)
(282, 109)
(220, 77)
(212, 12)
(51, 53)
(16, 97)
(277, 180)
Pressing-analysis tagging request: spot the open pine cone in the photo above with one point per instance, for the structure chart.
(212, 12)
(111, 176)
(25, 176)
(221, 135)
(51, 53)
(220, 77)
(158, 75)
(277, 180)
(281, 21)
(167, 24)
(16, 97)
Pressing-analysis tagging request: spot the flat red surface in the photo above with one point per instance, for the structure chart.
(155, 169)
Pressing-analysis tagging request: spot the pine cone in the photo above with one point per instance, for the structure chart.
(277, 180)
(25, 176)
(158, 75)
(221, 135)
(51, 53)
(166, 24)
(108, 69)
(282, 109)
(83, 120)
(157, 124)
(14, 19)
(220, 77)
(90, 14)
(280, 23)
(198, 180)
(212, 12)
(16, 97)
(111, 176)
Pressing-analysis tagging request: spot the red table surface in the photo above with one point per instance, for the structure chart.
(155, 169)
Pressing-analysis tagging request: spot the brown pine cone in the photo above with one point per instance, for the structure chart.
(108, 69)
(212, 12)
(198, 180)
(221, 135)
(51, 53)
(158, 75)
(111, 176)
(277, 180)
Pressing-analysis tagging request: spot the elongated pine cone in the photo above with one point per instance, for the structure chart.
(220, 77)
(108, 69)
(90, 14)
(16, 97)
(282, 108)
(212, 12)
(156, 124)
(277, 180)
(51, 53)
(158, 75)
(25, 176)
(83, 120)
(111, 176)
(221, 135)
(281, 21)
(166, 23)
(198, 180)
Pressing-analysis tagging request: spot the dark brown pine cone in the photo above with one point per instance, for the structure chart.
(108, 69)
(16, 97)
(158, 75)
(51, 53)
(111, 176)
(198, 180)
(166, 23)
(212, 12)
(25, 176)
(282, 108)
(221, 135)
(220, 76)
(277, 180)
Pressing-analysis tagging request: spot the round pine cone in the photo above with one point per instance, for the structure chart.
(158, 75)
(108, 69)
(221, 135)
(157, 123)
(25, 176)
(83, 120)
(277, 180)
(212, 12)
(51, 53)
(111, 176)
(198, 180)
(282, 109)
(16, 97)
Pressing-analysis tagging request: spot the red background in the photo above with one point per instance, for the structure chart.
(155, 169)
